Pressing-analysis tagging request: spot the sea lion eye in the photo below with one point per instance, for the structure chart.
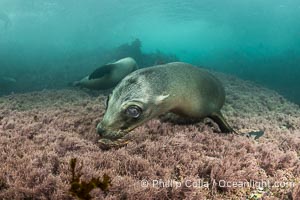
(133, 111)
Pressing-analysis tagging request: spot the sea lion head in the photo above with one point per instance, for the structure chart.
(131, 103)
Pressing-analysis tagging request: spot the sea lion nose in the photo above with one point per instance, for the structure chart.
(100, 130)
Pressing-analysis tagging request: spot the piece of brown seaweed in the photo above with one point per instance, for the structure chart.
(106, 144)
(81, 189)
(3, 185)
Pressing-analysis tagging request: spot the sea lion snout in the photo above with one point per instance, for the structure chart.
(103, 132)
(107, 133)
(100, 130)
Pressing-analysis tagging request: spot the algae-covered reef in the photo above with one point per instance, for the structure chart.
(40, 132)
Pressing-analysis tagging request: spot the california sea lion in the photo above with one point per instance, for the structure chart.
(109, 75)
(179, 88)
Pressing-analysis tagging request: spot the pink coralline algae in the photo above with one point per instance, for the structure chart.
(41, 132)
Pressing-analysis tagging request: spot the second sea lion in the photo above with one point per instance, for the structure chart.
(109, 75)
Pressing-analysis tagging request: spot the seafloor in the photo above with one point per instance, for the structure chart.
(41, 132)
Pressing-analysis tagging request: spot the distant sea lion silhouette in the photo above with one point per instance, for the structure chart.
(7, 82)
(177, 87)
(109, 75)
(4, 17)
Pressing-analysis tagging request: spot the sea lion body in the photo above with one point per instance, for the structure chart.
(109, 75)
(177, 87)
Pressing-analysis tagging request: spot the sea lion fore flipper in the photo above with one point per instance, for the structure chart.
(101, 71)
(226, 128)
(220, 120)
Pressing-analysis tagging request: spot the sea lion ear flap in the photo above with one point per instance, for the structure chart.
(160, 99)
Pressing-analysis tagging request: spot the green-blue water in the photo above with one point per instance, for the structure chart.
(47, 44)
